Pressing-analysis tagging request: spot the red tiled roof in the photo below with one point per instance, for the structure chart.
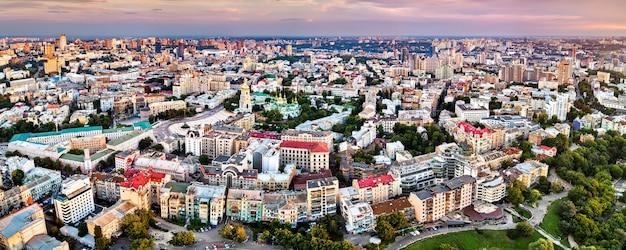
(543, 147)
(375, 181)
(137, 179)
(315, 147)
(468, 128)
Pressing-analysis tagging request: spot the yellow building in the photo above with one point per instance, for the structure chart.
(160, 107)
(527, 172)
(20, 227)
(93, 144)
(109, 219)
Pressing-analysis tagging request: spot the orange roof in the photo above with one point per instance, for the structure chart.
(315, 147)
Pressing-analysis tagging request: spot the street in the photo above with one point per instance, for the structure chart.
(165, 128)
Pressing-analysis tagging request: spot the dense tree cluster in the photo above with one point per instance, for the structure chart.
(135, 226)
(234, 232)
(183, 239)
(590, 215)
(145, 143)
(326, 234)
(415, 142)
(173, 114)
(388, 225)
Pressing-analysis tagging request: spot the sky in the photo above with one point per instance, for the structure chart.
(105, 18)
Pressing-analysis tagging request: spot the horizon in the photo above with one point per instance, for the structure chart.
(311, 18)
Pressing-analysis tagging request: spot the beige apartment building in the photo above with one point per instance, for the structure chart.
(435, 202)
(309, 156)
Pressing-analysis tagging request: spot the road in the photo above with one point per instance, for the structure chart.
(165, 128)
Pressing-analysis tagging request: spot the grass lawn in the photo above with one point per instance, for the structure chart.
(488, 239)
(550, 222)
(523, 212)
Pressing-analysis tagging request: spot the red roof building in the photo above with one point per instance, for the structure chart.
(308, 156)
(377, 189)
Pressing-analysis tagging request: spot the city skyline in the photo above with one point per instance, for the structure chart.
(312, 18)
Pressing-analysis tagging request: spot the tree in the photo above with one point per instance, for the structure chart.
(515, 195)
(524, 229)
(142, 244)
(543, 185)
(556, 187)
(158, 147)
(183, 239)
(101, 242)
(17, 176)
(447, 246)
(541, 244)
(385, 231)
(240, 234)
(82, 229)
(567, 210)
(534, 195)
(204, 159)
(266, 236)
(145, 143)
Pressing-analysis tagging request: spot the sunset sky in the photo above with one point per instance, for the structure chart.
(312, 17)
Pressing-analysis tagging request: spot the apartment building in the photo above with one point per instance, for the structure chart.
(244, 205)
(359, 215)
(286, 207)
(75, 201)
(470, 113)
(392, 206)
(193, 201)
(160, 107)
(490, 189)
(377, 189)
(175, 169)
(309, 156)
(210, 143)
(527, 172)
(437, 201)
(40, 183)
(106, 187)
(110, 218)
(479, 139)
(308, 136)
(322, 197)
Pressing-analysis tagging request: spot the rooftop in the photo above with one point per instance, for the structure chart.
(19, 220)
(316, 147)
(374, 181)
(391, 206)
(124, 138)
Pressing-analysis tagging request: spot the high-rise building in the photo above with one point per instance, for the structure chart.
(62, 42)
(245, 103)
(512, 73)
(48, 50)
(564, 73)
(157, 46)
(405, 55)
(559, 106)
(289, 50)
(75, 201)
(108, 44)
(180, 52)
(322, 197)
